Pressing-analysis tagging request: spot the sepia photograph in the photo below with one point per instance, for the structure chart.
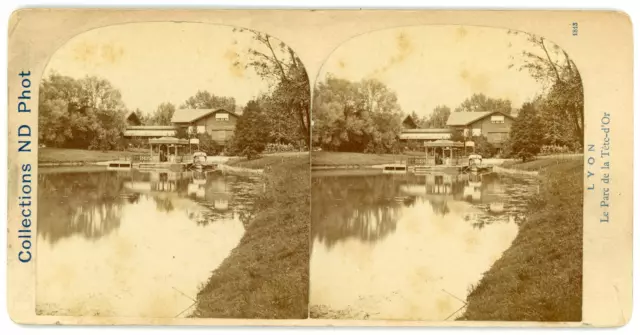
(447, 178)
(173, 175)
(319, 168)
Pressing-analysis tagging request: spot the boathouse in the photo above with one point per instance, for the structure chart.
(494, 125)
(218, 123)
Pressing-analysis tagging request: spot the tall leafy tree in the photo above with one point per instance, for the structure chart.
(549, 64)
(479, 102)
(80, 113)
(251, 135)
(438, 118)
(526, 136)
(276, 62)
(362, 116)
(163, 114)
(207, 100)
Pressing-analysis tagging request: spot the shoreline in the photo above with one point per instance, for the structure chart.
(273, 282)
(537, 278)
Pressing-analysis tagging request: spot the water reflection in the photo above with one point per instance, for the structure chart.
(386, 246)
(131, 243)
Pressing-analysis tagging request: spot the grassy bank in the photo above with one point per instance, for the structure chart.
(539, 278)
(62, 155)
(268, 160)
(267, 274)
(542, 163)
(328, 158)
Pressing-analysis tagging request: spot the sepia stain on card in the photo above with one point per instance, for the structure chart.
(477, 82)
(105, 54)
(111, 53)
(461, 33)
(236, 64)
(84, 52)
(403, 47)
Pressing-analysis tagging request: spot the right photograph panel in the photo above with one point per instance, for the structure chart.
(447, 178)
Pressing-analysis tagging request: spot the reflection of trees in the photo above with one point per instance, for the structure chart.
(439, 206)
(79, 203)
(354, 206)
(163, 204)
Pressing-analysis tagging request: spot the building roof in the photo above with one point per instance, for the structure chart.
(149, 131)
(425, 136)
(132, 117)
(428, 130)
(168, 140)
(465, 118)
(409, 122)
(151, 127)
(444, 143)
(191, 115)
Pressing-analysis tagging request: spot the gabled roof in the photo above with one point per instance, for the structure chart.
(151, 127)
(425, 136)
(190, 115)
(153, 132)
(465, 118)
(409, 121)
(133, 118)
(168, 140)
(428, 130)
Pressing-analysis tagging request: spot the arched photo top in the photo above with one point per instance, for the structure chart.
(155, 68)
(428, 72)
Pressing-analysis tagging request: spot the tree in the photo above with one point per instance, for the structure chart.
(358, 117)
(163, 114)
(183, 132)
(438, 118)
(207, 100)
(549, 64)
(87, 113)
(483, 147)
(457, 135)
(479, 102)
(276, 62)
(525, 138)
(207, 144)
(417, 119)
(250, 137)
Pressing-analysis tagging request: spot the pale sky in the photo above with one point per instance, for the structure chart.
(152, 63)
(429, 66)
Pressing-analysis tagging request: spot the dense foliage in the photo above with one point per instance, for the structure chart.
(80, 113)
(359, 117)
(555, 119)
(251, 134)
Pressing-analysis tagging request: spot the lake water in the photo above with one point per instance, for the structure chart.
(406, 246)
(123, 243)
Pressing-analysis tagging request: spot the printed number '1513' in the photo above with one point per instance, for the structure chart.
(574, 29)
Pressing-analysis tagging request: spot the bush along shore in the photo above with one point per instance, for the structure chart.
(267, 275)
(539, 278)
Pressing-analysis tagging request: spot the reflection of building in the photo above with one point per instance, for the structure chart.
(213, 190)
(473, 188)
(439, 184)
(177, 187)
(157, 182)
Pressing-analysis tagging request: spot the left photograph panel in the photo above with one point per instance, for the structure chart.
(173, 175)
